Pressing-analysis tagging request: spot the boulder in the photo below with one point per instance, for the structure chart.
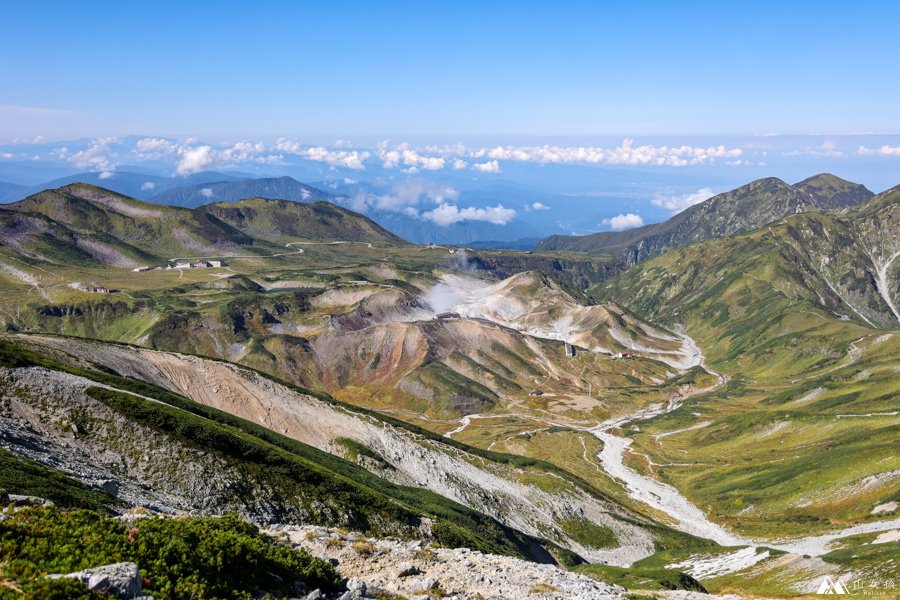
(122, 580)
(355, 584)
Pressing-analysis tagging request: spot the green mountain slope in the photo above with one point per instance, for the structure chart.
(743, 209)
(805, 430)
(81, 224)
(160, 231)
(832, 192)
(287, 220)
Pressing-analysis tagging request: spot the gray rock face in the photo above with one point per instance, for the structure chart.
(122, 580)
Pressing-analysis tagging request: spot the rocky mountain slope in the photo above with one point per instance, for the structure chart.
(845, 264)
(743, 209)
(134, 431)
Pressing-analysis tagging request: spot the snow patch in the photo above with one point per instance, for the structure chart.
(714, 566)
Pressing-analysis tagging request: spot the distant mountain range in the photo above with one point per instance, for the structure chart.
(138, 184)
(281, 188)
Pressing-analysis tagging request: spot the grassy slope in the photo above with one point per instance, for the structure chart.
(774, 459)
(122, 222)
(284, 220)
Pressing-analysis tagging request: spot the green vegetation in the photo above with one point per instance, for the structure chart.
(642, 578)
(353, 450)
(19, 475)
(221, 557)
(590, 534)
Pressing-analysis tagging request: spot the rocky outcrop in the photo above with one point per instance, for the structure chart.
(491, 488)
(410, 569)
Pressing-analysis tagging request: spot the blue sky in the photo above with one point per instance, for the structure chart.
(501, 71)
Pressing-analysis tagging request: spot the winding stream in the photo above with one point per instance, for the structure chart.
(669, 500)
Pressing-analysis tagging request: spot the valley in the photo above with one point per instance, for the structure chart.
(732, 392)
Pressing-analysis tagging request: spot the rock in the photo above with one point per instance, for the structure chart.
(406, 569)
(423, 585)
(357, 586)
(314, 595)
(23, 500)
(122, 580)
(110, 486)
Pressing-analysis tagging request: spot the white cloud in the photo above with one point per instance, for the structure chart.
(625, 154)
(458, 164)
(194, 159)
(286, 145)
(148, 186)
(406, 156)
(351, 159)
(206, 192)
(448, 214)
(410, 194)
(679, 203)
(536, 206)
(883, 151)
(191, 159)
(96, 157)
(155, 148)
(491, 166)
(620, 222)
(241, 152)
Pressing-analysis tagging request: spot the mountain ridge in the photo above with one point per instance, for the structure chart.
(737, 211)
(96, 224)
